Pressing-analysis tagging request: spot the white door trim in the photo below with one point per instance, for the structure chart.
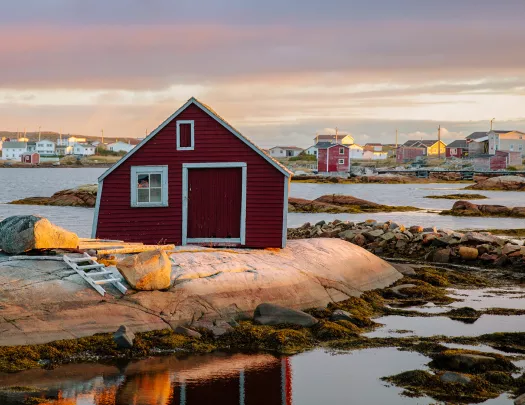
(218, 165)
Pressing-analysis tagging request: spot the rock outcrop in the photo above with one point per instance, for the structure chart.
(82, 196)
(337, 203)
(506, 183)
(46, 301)
(21, 233)
(468, 209)
(272, 314)
(147, 271)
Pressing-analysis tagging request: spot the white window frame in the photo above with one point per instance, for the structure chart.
(242, 235)
(192, 123)
(341, 151)
(340, 161)
(135, 171)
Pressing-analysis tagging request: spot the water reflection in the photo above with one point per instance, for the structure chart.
(212, 379)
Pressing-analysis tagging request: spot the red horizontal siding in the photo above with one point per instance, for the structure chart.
(213, 143)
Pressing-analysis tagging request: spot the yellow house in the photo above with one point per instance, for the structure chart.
(433, 146)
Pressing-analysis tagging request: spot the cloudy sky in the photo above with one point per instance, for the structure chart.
(279, 70)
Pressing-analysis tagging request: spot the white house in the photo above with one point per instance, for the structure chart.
(120, 146)
(70, 141)
(12, 150)
(312, 150)
(285, 151)
(356, 151)
(83, 149)
(45, 147)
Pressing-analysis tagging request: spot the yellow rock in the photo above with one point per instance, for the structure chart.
(468, 253)
(147, 271)
(50, 236)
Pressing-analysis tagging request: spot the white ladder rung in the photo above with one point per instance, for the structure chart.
(100, 273)
(80, 259)
(106, 280)
(91, 266)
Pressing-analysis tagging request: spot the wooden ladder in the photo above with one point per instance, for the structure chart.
(102, 274)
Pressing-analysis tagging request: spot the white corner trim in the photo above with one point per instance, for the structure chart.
(135, 170)
(218, 165)
(192, 123)
(193, 100)
(285, 213)
(97, 209)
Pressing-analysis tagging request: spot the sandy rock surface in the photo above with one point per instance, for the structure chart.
(45, 301)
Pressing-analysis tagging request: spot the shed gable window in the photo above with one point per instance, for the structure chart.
(149, 186)
(185, 135)
(341, 151)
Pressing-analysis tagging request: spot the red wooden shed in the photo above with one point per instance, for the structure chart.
(194, 179)
(332, 158)
(30, 157)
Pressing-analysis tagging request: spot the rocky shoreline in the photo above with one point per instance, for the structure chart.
(82, 196)
(392, 240)
(468, 209)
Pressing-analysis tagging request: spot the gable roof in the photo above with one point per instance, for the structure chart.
(14, 144)
(420, 142)
(458, 143)
(213, 115)
(477, 135)
(324, 145)
(287, 147)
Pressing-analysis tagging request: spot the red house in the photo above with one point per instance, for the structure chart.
(332, 158)
(457, 149)
(195, 179)
(408, 153)
(30, 157)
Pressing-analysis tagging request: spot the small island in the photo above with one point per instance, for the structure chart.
(459, 196)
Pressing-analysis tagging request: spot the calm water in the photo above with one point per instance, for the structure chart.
(20, 183)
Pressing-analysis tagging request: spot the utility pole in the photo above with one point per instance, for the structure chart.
(39, 134)
(336, 135)
(439, 142)
(102, 131)
(396, 144)
(491, 121)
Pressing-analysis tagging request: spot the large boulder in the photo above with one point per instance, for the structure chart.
(82, 196)
(147, 271)
(21, 233)
(513, 183)
(465, 208)
(272, 314)
(495, 210)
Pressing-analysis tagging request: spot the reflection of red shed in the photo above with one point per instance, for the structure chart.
(332, 158)
(30, 157)
(195, 179)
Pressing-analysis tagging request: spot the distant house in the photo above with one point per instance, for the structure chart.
(285, 151)
(457, 149)
(312, 150)
(31, 146)
(333, 158)
(335, 139)
(374, 147)
(406, 154)
(120, 147)
(477, 143)
(432, 147)
(12, 150)
(372, 155)
(30, 157)
(356, 151)
(83, 149)
(45, 147)
(512, 141)
(499, 161)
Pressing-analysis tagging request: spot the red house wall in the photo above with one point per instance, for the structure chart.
(321, 160)
(213, 143)
(458, 154)
(408, 153)
(334, 156)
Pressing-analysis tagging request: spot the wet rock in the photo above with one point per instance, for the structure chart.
(373, 234)
(441, 256)
(21, 233)
(465, 208)
(488, 258)
(271, 314)
(359, 240)
(520, 400)
(348, 235)
(510, 248)
(340, 315)
(397, 290)
(477, 237)
(404, 269)
(181, 330)
(388, 236)
(124, 337)
(370, 222)
(495, 210)
(416, 229)
(501, 261)
(465, 362)
(513, 183)
(456, 378)
(216, 328)
(429, 238)
(147, 271)
(468, 253)
(430, 229)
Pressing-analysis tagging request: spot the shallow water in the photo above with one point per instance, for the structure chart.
(229, 379)
(440, 325)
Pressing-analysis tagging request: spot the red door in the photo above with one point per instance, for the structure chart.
(214, 203)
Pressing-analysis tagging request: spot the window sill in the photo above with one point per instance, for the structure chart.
(149, 205)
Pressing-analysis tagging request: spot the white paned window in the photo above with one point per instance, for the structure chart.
(341, 161)
(149, 186)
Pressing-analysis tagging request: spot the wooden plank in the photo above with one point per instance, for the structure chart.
(50, 258)
(138, 249)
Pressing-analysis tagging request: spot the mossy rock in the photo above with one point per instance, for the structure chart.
(471, 361)
(326, 330)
